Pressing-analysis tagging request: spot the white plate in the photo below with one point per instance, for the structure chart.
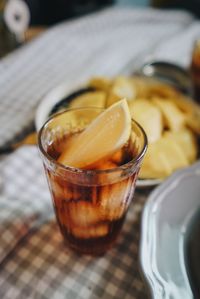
(165, 222)
(51, 99)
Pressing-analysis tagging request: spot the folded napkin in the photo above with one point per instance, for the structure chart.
(34, 261)
(109, 42)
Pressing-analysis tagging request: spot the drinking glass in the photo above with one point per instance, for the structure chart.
(90, 204)
(195, 70)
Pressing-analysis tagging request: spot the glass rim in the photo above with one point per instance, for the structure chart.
(72, 169)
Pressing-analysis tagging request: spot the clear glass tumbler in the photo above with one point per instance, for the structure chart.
(90, 204)
(195, 70)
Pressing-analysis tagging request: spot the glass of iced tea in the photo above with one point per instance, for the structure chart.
(90, 202)
(195, 70)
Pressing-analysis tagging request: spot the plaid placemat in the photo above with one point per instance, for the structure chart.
(34, 261)
(109, 42)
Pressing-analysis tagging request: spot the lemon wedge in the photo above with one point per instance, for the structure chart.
(104, 136)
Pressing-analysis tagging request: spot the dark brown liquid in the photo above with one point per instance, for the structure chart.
(90, 217)
(196, 82)
(195, 73)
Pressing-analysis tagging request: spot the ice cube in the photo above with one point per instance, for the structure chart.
(90, 232)
(72, 193)
(61, 189)
(84, 214)
(118, 157)
(106, 165)
(58, 191)
(95, 195)
(115, 198)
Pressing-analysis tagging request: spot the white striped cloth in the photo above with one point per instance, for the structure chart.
(109, 42)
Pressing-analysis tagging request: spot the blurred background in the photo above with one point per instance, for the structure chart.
(21, 20)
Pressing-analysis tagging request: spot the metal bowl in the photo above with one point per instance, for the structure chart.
(169, 73)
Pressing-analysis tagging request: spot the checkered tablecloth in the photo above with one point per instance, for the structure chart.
(34, 261)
